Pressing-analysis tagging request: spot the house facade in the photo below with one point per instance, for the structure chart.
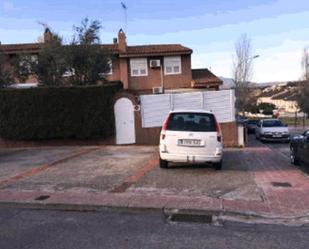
(143, 68)
(146, 70)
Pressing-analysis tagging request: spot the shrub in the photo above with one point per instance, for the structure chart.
(57, 112)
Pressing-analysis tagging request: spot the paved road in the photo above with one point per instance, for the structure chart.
(283, 149)
(37, 229)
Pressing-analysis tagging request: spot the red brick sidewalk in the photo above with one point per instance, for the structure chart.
(288, 200)
(286, 188)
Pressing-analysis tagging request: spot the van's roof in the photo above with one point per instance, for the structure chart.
(191, 110)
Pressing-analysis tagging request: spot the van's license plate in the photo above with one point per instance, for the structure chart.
(189, 142)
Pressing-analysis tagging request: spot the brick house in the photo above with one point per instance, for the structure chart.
(144, 68)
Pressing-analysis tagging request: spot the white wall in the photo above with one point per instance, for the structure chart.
(154, 108)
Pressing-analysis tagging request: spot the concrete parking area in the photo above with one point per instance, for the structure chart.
(108, 169)
(233, 182)
(15, 161)
(80, 169)
(256, 180)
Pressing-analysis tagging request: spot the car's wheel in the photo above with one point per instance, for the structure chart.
(163, 164)
(218, 165)
(293, 156)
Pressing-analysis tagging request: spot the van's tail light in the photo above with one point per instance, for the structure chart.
(218, 129)
(164, 127)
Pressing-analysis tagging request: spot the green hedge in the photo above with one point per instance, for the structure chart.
(57, 113)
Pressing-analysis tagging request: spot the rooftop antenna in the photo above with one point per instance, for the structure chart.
(125, 8)
(43, 24)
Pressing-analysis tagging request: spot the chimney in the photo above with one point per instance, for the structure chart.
(115, 41)
(48, 36)
(122, 43)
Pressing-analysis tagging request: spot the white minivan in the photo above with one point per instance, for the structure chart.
(191, 136)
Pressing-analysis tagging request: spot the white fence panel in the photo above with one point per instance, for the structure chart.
(221, 103)
(188, 100)
(154, 108)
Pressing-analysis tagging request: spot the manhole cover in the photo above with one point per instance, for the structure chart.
(282, 184)
(42, 197)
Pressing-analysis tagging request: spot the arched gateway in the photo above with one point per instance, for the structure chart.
(124, 120)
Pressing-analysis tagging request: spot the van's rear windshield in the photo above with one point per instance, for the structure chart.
(184, 121)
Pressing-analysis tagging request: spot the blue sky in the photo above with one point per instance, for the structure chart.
(279, 29)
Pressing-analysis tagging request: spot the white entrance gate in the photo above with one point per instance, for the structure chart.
(124, 120)
(154, 108)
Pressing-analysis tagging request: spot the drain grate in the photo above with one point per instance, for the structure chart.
(191, 218)
(282, 184)
(42, 198)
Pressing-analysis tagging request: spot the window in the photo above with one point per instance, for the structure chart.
(172, 65)
(110, 65)
(69, 73)
(191, 122)
(272, 123)
(110, 69)
(139, 67)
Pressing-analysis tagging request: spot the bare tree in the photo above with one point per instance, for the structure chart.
(303, 97)
(305, 64)
(242, 71)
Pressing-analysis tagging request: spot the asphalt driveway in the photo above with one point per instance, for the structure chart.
(122, 169)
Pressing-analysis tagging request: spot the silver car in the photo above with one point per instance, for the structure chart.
(272, 130)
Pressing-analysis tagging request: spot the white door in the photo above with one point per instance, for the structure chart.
(124, 119)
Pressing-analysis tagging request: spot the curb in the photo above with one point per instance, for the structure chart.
(209, 216)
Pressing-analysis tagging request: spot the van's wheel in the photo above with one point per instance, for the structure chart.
(218, 166)
(163, 164)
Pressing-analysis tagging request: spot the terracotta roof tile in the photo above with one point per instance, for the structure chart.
(203, 76)
(20, 48)
(132, 51)
(161, 49)
(111, 47)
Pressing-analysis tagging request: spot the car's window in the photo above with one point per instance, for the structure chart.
(191, 122)
(306, 133)
(272, 123)
(253, 122)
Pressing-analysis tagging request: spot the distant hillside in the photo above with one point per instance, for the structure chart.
(228, 83)
(268, 84)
